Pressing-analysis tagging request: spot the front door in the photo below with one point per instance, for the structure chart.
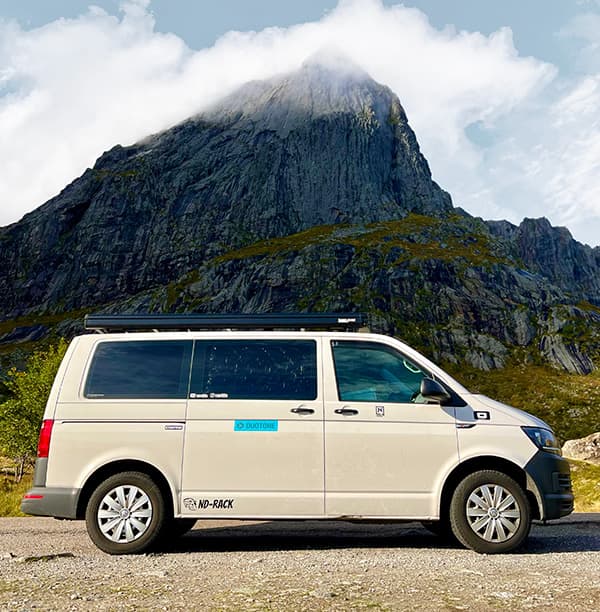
(386, 449)
(254, 430)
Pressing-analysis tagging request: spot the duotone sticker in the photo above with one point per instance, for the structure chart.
(261, 425)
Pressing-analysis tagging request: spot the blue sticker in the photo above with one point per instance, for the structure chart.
(256, 425)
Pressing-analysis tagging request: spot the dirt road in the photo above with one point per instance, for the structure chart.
(51, 565)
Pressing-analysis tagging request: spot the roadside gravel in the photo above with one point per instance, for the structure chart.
(51, 565)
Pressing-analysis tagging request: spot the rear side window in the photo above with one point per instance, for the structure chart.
(255, 369)
(140, 370)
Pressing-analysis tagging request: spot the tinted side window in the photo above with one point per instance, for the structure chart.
(255, 369)
(140, 370)
(372, 372)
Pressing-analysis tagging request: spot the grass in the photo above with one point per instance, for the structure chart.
(48, 320)
(415, 237)
(567, 402)
(11, 494)
(586, 486)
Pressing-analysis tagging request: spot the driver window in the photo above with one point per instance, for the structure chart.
(373, 372)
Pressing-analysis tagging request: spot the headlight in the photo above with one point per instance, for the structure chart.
(543, 439)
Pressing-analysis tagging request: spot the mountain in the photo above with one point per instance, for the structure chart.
(267, 162)
(306, 191)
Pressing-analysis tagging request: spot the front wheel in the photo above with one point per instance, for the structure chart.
(490, 512)
(125, 514)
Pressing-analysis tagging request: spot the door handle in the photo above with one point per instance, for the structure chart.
(346, 411)
(302, 410)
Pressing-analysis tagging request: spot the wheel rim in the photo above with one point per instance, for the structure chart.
(124, 514)
(493, 513)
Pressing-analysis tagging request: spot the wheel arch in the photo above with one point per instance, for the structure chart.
(490, 462)
(125, 465)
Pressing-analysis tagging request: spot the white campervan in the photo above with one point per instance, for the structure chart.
(159, 421)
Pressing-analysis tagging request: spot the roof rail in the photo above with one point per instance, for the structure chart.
(261, 321)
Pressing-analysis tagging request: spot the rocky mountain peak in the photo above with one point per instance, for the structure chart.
(326, 84)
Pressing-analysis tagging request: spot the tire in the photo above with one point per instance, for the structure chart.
(125, 514)
(490, 512)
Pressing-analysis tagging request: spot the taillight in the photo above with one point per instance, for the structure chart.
(45, 435)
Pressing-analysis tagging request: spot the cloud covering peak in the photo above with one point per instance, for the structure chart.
(75, 87)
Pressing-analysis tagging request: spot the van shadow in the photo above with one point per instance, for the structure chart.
(565, 537)
(303, 535)
(327, 535)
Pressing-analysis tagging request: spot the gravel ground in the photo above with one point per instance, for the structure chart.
(51, 565)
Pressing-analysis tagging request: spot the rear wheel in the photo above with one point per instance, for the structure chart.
(125, 514)
(490, 512)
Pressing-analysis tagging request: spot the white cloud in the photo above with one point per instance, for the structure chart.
(74, 88)
(584, 29)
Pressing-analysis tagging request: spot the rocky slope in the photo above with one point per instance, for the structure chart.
(552, 252)
(447, 285)
(307, 191)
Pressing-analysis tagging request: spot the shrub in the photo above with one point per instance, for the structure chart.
(21, 414)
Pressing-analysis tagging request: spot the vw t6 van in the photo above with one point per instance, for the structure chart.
(159, 421)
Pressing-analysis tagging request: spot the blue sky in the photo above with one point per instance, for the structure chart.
(504, 96)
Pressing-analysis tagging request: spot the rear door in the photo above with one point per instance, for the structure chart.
(387, 450)
(254, 431)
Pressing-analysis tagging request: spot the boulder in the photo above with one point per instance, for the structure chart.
(584, 449)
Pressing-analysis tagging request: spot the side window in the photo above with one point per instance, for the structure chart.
(255, 369)
(373, 372)
(140, 370)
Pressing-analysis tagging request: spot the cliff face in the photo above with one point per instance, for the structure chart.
(448, 286)
(315, 147)
(552, 252)
(304, 192)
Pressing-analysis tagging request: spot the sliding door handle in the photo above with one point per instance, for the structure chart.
(346, 411)
(302, 410)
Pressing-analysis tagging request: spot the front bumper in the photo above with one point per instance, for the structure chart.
(549, 477)
(46, 501)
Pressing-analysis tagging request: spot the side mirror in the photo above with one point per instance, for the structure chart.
(431, 389)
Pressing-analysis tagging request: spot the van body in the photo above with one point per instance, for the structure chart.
(144, 433)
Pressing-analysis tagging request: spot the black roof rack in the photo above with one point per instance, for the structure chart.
(175, 322)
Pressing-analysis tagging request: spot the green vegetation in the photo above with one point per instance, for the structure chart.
(176, 289)
(35, 319)
(584, 305)
(102, 174)
(416, 237)
(288, 244)
(11, 493)
(17, 352)
(567, 402)
(21, 414)
(586, 486)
